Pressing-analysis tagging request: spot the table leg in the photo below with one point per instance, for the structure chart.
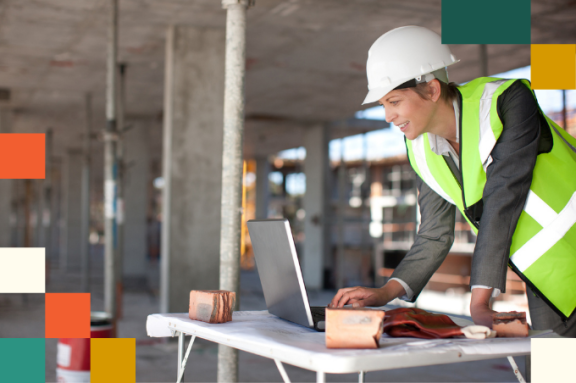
(180, 351)
(361, 375)
(282, 371)
(516, 370)
(183, 364)
(320, 377)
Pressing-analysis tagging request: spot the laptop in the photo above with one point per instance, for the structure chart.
(280, 273)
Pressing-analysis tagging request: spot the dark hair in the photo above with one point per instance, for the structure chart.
(448, 92)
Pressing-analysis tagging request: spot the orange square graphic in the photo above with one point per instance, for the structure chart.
(553, 66)
(67, 315)
(22, 156)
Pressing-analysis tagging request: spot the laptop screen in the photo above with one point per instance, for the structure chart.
(279, 270)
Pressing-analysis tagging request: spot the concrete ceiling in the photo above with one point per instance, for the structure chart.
(305, 58)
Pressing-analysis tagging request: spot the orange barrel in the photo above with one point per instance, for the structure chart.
(73, 356)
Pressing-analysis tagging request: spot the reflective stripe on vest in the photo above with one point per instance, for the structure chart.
(479, 110)
(555, 226)
(420, 157)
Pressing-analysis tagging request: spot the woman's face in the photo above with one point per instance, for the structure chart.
(407, 110)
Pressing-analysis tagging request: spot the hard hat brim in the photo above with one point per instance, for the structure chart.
(376, 94)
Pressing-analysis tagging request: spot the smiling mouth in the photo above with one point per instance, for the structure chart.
(403, 126)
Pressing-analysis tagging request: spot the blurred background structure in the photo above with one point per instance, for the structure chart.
(311, 153)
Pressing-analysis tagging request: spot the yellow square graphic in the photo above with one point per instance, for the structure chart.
(553, 66)
(112, 360)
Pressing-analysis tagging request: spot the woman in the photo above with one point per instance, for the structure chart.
(486, 149)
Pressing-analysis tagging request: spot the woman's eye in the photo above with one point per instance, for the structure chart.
(394, 102)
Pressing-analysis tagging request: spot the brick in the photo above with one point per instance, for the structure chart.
(353, 328)
(211, 306)
(510, 324)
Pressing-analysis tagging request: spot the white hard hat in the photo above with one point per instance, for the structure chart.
(405, 54)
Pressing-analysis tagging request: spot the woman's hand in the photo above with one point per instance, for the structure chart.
(358, 297)
(480, 307)
(365, 296)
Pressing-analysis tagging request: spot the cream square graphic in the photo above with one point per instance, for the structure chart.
(22, 270)
(553, 360)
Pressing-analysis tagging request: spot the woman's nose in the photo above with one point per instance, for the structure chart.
(389, 116)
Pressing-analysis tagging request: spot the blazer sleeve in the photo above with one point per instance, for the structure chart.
(433, 240)
(508, 180)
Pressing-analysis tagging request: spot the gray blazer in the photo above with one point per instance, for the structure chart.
(508, 180)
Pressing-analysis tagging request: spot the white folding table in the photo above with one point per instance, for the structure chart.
(261, 333)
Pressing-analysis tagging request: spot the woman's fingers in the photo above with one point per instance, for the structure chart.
(354, 294)
(339, 295)
(357, 297)
(344, 299)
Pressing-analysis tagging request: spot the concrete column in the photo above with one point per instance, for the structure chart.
(232, 160)
(5, 187)
(192, 163)
(315, 205)
(262, 186)
(111, 286)
(72, 198)
(136, 177)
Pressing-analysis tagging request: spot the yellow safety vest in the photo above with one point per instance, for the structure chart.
(543, 248)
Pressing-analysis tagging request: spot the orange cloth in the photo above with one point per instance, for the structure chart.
(413, 322)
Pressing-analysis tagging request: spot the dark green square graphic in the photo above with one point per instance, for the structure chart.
(22, 360)
(486, 22)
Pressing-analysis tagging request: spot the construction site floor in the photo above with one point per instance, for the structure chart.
(156, 358)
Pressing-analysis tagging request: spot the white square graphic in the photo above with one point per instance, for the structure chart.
(22, 270)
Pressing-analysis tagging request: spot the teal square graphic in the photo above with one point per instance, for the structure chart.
(22, 360)
(486, 22)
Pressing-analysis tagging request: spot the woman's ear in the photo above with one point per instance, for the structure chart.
(434, 89)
